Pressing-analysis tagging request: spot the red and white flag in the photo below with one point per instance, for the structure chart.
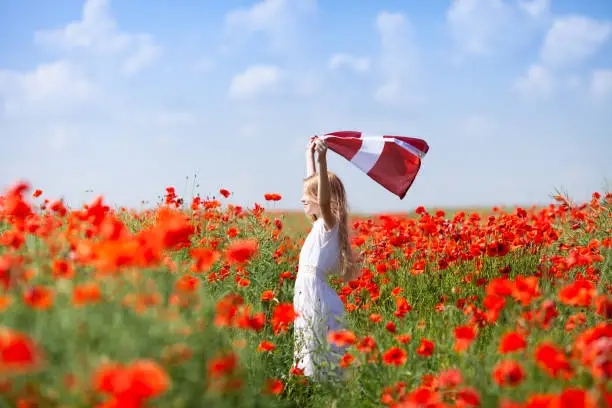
(391, 161)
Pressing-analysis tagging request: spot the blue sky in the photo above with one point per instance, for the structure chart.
(126, 98)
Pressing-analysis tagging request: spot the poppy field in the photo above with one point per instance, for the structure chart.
(189, 304)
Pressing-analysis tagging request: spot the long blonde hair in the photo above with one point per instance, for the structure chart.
(339, 206)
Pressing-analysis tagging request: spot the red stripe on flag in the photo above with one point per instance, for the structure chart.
(346, 144)
(396, 169)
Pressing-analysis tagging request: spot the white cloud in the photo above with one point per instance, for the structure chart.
(601, 83)
(481, 27)
(357, 64)
(537, 81)
(277, 19)
(98, 34)
(569, 41)
(399, 60)
(96, 31)
(52, 87)
(145, 54)
(474, 22)
(535, 8)
(254, 81)
(48, 86)
(573, 39)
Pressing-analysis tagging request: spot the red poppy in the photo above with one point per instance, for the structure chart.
(38, 297)
(375, 317)
(86, 293)
(272, 197)
(579, 293)
(346, 360)
(511, 342)
(508, 373)
(132, 384)
(450, 378)
(341, 338)
(222, 366)
(576, 398)
(204, 258)
(273, 386)
(403, 338)
(266, 346)
(18, 352)
(426, 348)
(553, 361)
(366, 345)
(464, 336)
(402, 307)
(603, 306)
(395, 356)
(267, 295)
(241, 251)
(283, 315)
(468, 397)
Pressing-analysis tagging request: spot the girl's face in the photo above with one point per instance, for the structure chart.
(311, 206)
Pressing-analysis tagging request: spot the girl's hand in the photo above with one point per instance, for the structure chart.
(321, 148)
(312, 145)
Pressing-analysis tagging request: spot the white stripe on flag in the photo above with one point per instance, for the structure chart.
(369, 152)
(409, 147)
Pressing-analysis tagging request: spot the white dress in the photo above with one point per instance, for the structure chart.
(318, 306)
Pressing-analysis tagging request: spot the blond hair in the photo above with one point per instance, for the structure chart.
(339, 207)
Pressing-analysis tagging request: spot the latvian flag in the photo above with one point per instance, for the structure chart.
(391, 161)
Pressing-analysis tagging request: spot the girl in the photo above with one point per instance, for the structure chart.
(326, 251)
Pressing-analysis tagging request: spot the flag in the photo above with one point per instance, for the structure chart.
(391, 161)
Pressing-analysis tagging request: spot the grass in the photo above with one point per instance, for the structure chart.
(117, 307)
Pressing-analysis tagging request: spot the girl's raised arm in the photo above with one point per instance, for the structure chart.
(324, 194)
(310, 161)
